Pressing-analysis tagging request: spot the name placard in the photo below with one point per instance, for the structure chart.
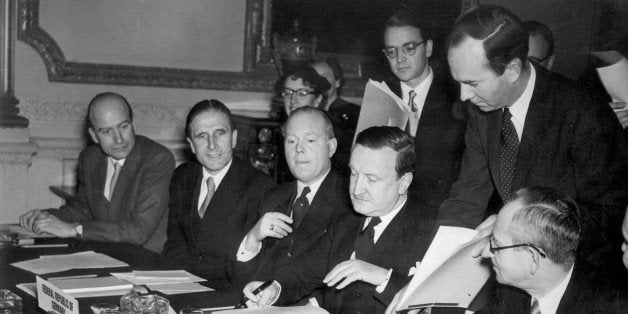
(52, 299)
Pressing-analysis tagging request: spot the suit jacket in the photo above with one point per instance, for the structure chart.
(438, 141)
(403, 243)
(137, 212)
(331, 201)
(588, 291)
(344, 119)
(569, 143)
(203, 245)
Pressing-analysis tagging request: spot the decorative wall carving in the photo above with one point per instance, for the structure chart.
(17, 153)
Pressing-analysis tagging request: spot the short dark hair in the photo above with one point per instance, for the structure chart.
(378, 137)
(538, 28)
(107, 96)
(407, 18)
(311, 111)
(548, 219)
(207, 106)
(308, 75)
(502, 34)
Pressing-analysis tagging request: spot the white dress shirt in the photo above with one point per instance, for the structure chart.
(217, 179)
(519, 108)
(548, 304)
(421, 91)
(110, 170)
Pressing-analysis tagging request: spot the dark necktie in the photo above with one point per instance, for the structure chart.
(535, 309)
(299, 208)
(365, 240)
(410, 126)
(508, 147)
(211, 187)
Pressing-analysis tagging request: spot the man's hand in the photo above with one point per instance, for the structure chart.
(56, 227)
(273, 224)
(28, 220)
(484, 230)
(622, 115)
(353, 270)
(263, 299)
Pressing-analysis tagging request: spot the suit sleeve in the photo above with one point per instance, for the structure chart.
(470, 194)
(175, 249)
(150, 207)
(78, 210)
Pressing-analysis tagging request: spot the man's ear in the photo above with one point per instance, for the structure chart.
(550, 62)
(191, 145)
(92, 133)
(429, 45)
(535, 262)
(234, 138)
(513, 69)
(333, 145)
(406, 180)
(318, 100)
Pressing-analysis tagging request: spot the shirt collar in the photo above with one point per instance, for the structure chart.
(119, 161)
(519, 108)
(386, 219)
(313, 187)
(420, 89)
(218, 176)
(549, 302)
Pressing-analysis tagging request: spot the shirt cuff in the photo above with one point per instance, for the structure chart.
(382, 286)
(245, 255)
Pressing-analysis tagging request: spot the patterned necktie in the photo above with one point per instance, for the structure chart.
(114, 178)
(412, 119)
(211, 186)
(366, 239)
(301, 204)
(535, 309)
(508, 147)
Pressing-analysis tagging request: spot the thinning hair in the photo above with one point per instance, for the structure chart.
(538, 28)
(548, 219)
(405, 18)
(106, 96)
(312, 113)
(378, 137)
(203, 106)
(503, 36)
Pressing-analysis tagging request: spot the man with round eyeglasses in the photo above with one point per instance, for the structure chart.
(437, 121)
(533, 252)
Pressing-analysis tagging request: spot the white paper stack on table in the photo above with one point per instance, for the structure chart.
(56, 263)
(448, 275)
(381, 107)
(165, 281)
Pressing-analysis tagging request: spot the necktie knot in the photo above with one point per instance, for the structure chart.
(535, 309)
(374, 222)
(413, 106)
(506, 115)
(300, 207)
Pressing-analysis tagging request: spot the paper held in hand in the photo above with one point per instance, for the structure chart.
(381, 107)
(448, 275)
(615, 78)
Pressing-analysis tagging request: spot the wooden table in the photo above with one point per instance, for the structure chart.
(136, 256)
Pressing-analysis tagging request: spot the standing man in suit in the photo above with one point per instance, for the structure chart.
(530, 127)
(437, 121)
(363, 261)
(533, 251)
(123, 181)
(295, 214)
(214, 198)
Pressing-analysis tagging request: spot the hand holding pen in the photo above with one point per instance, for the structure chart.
(259, 294)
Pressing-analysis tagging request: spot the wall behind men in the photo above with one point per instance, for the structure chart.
(56, 111)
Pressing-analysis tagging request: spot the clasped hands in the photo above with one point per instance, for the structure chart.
(40, 222)
(343, 274)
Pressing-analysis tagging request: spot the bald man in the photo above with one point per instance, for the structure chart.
(123, 184)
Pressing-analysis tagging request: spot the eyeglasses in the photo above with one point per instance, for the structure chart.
(409, 49)
(301, 93)
(537, 60)
(494, 249)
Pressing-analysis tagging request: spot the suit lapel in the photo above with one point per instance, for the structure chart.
(537, 119)
(493, 129)
(223, 200)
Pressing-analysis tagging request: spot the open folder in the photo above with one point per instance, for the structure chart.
(448, 275)
(381, 107)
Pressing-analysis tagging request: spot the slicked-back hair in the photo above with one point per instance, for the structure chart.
(406, 18)
(313, 113)
(378, 137)
(548, 219)
(203, 106)
(503, 36)
(538, 28)
(105, 97)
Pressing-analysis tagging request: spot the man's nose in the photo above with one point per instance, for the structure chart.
(486, 252)
(117, 137)
(465, 92)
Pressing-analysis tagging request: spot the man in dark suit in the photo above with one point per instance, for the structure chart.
(362, 261)
(437, 121)
(208, 219)
(295, 214)
(533, 251)
(122, 184)
(529, 127)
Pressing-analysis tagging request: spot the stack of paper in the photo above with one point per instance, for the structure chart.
(168, 282)
(96, 286)
(57, 263)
